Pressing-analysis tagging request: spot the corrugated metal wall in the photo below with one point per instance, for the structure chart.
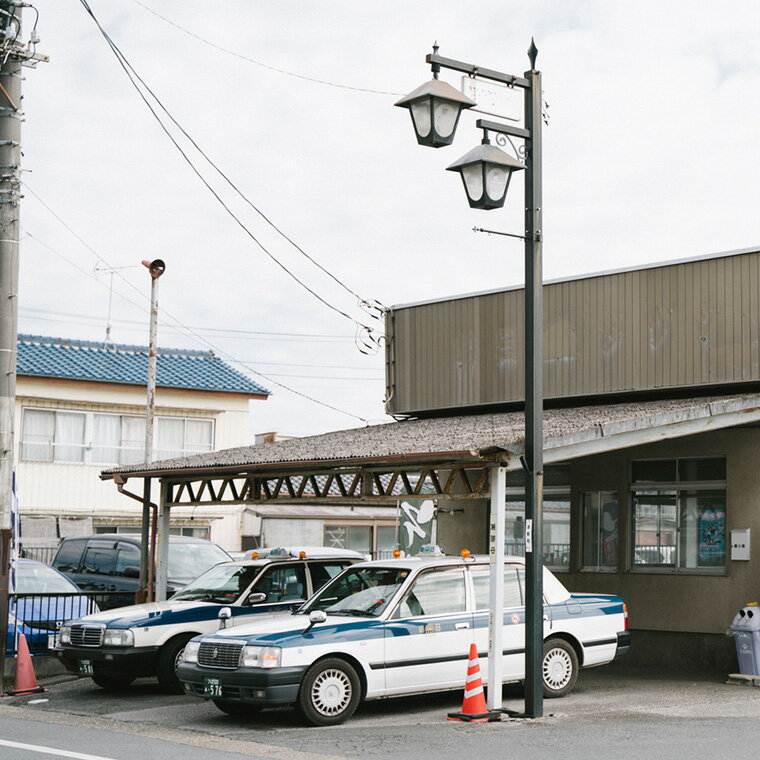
(685, 324)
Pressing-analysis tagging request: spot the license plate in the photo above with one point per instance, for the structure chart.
(212, 687)
(53, 640)
(85, 667)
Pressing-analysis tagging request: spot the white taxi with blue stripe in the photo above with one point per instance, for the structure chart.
(396, 627)
(116, 646)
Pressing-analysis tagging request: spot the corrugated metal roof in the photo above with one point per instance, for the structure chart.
(468, 435)
(40, 356)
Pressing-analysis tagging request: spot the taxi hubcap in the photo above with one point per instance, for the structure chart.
(331, 692)
(557, 668)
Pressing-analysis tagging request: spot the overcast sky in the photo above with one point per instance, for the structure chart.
(650, 154)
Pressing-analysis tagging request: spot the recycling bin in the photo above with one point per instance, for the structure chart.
(745, 630)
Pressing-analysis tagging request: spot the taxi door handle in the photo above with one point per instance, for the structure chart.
(461, 626)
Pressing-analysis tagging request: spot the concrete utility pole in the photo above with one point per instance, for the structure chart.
(13, 54)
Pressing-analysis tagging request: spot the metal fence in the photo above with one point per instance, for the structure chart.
(39, 616)
(40, 553)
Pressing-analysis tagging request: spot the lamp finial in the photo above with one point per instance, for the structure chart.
(532, 53)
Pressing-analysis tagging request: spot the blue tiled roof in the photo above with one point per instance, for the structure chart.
(41, 356)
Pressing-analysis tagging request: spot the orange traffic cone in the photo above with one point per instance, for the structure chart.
(474, 708)
(26, 681)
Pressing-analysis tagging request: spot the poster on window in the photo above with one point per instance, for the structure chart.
(712, 537)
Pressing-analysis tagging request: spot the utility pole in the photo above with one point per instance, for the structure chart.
(147, 592)
(14, 53)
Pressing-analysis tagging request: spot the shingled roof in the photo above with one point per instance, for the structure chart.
(40, 356)
(568, 433)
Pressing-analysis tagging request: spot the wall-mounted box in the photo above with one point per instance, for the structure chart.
(740, 543)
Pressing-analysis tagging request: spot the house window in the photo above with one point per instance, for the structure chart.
(600, 529)
(679, 514)
(103, 439)
(178, 437)
(53, 436)
(556, 512)
(117, 439)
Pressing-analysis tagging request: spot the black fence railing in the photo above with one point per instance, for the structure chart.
(40, 616)
(41, 553)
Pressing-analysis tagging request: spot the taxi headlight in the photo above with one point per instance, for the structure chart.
(261, 657)
(118, 637)
(191, 651)
(65, 634)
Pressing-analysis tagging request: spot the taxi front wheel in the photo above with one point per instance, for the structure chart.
(329, 693)
(559, 668)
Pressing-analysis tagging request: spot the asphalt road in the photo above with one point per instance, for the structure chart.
(631, 713)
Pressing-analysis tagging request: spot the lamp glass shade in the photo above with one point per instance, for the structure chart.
(445, 116)
(420, 110)
(497, 178)
(472, 176)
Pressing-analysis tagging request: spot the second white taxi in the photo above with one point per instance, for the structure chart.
(396, 627)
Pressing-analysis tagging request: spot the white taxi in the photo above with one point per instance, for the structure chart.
(396, 627)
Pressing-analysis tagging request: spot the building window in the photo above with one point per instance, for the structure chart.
(556, 511)
(379, 541)
(53, 436)
(679, 514)
(103, 439)
(178, 437)
(600, 530)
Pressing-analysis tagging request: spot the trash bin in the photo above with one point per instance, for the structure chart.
(745, 629)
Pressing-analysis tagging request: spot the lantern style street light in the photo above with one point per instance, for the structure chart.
(435, 108)
(486, 172)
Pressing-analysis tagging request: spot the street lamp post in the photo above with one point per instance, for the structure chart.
(486, 172)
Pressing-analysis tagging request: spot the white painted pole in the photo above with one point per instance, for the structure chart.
(498, 480)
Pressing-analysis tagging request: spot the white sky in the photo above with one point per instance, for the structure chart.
(650, 154)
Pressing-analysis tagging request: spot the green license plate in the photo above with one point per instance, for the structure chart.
(85, 667)
(212, 687)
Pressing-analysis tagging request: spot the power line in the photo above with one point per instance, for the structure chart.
(259, 63)
(232, 331)
(188, 331)
(365, 337)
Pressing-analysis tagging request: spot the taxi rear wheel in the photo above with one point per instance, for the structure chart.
(168, 659)
(559, 668)
(329, 693)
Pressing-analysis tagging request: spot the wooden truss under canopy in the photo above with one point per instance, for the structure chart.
(369, 485)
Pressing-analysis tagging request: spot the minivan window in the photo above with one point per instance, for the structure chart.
(127, 556)
(99, 560)
(68, 556)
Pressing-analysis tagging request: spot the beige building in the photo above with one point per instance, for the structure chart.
(80, 406)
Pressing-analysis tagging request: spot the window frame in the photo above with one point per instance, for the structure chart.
(598, 567)
(680, 488)
(88, 445)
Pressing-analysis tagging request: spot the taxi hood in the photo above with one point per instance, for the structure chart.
(139, 614)
(281, 630)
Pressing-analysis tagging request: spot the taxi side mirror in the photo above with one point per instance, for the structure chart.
(315, 616)
(224, 615)
(257, 597)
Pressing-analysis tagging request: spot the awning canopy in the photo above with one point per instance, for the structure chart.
(442, 458)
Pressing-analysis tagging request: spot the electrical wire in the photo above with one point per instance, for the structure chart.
(365, 333)
(221, 330)
(258, 63)
(179, 325)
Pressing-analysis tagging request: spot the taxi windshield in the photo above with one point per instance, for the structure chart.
(222, 584)
(362, 591)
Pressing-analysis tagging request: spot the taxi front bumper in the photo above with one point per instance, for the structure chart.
(275, 686)
(139, 661)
